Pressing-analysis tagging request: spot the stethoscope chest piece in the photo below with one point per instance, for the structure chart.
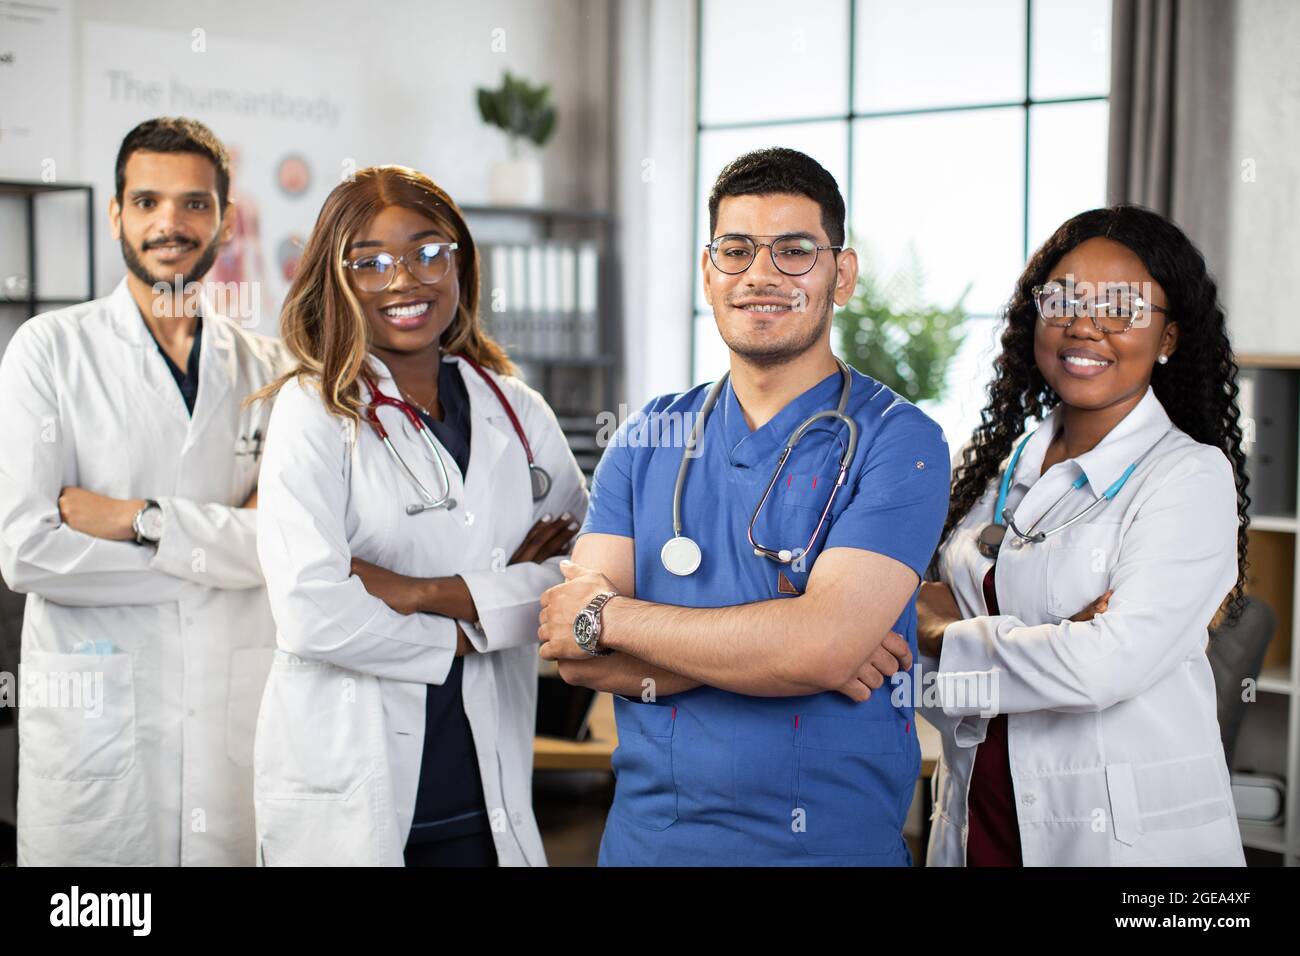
(990, 540)
(447, 504)
(541, 481)
(680, 556)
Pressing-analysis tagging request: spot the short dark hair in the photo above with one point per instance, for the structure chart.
(175, 134)
(781, 170)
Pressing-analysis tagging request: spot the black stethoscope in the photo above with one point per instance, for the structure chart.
(540, 479)
(681, 555)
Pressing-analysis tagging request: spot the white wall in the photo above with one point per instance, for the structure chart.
(420, 61)
(415, 64)
(1263, 262)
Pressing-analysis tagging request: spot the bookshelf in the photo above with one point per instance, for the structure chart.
(41, 268)
(548, 295)
(1269, 742)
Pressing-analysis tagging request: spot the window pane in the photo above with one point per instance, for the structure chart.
(967, 378)
(825, 142)
(1067, 164)
(938, 53)
(948, 187)
(771, 59)
(711, 355)
(1071, 48)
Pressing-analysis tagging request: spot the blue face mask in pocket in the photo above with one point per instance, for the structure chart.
(94, 647)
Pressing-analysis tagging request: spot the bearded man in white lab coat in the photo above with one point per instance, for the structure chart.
(127, 488)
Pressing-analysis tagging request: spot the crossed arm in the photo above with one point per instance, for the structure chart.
(835, 636)
(72, 545)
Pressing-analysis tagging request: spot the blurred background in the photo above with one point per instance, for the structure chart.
(582, 137)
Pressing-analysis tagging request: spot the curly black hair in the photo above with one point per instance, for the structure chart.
(1198, 386)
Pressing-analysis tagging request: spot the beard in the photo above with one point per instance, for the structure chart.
(773, 352)
(135, 264)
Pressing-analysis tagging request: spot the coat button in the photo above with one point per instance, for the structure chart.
(518, 818)
(1028, 799)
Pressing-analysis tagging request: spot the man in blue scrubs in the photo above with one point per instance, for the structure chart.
(748, 730)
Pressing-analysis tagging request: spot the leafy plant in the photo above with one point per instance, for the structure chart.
(520, 109)
(888, 331)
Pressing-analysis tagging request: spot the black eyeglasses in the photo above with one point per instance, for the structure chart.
(793, 255)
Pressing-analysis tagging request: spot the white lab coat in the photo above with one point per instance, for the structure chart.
(1112, 731)
(164, 774)
(341, 731)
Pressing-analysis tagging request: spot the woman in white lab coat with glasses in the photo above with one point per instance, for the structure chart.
(415, 497)
(1082, 563)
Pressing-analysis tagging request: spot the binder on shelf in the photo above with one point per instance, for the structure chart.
(568, 295)
(518, 297)
(536, 298)
(588, 345)
(553, 322)
(1269, 399)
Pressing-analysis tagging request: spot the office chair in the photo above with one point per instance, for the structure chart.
(1236, 653)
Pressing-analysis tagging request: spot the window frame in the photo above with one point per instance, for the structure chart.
(1025, 105)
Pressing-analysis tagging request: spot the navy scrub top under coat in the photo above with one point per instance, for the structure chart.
(711, 777)
(449, 801)
(188, 380)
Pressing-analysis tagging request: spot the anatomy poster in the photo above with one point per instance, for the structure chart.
(288, 117)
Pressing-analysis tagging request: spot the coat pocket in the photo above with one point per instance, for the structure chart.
(1078, 567)
(643, 765)
(854, 782)
(77, 715)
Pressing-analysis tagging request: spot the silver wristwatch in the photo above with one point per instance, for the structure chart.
(147, 523)
(586, 626)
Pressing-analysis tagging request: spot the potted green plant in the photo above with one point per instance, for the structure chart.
(889, 331)
(524, 112)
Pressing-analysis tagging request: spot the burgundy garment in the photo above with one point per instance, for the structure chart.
(993, 832)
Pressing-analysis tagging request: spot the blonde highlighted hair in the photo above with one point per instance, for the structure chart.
(322, 322)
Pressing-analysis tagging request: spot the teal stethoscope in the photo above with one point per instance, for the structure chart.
(990, 539)
(681, 555)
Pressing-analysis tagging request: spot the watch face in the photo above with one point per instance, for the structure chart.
(151, 523)
(584, 628)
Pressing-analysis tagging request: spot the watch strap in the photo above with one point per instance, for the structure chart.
(595, 606)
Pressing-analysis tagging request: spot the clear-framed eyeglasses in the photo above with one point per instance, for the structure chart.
(1113, 307)
(427, 263)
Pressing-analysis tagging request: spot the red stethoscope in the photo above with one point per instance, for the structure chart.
(541, 481)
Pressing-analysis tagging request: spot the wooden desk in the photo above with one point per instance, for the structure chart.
(553, 753)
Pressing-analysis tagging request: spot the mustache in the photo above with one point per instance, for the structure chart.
(168, 241)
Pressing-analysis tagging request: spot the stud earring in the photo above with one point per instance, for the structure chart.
(1163, 360)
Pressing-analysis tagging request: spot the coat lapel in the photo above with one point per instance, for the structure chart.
(150, 368)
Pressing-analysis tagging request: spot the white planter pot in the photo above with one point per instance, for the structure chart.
(516, 182)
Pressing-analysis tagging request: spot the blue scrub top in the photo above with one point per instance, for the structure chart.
(711, 777)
